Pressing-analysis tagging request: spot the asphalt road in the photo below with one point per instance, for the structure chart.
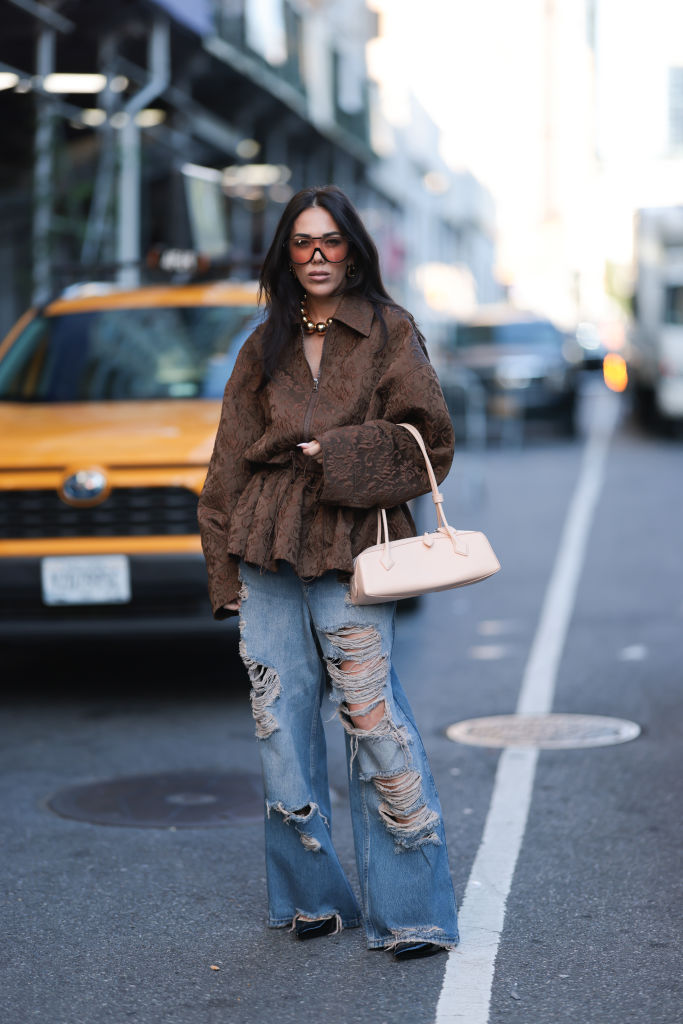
(105, 925)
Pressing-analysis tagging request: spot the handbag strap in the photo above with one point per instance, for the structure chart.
(437, 498)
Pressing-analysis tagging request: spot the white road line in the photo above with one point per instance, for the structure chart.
(468, 978)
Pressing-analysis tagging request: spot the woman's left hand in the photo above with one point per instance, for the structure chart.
(312, 449)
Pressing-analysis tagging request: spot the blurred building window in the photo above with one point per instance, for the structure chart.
(292, 67)
(198, 16)
(676, 108)
(266, 32)
(350, 96)
(350, 80)
(230, 23)
(206, 208)
(673, 305)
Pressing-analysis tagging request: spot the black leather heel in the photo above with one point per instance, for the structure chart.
(416, 950)
(314, 929)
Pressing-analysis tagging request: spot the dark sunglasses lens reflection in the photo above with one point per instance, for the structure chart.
(334, 248)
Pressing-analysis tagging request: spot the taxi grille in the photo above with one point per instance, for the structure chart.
(127, 512)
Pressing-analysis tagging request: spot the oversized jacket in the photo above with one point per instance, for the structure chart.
(265, 501)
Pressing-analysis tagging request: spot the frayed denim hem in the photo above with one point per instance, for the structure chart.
(286, 922)
(415, 935)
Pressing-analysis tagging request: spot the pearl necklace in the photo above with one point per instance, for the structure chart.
(309, 326)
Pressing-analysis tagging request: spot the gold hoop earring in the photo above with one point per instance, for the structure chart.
(351, 270)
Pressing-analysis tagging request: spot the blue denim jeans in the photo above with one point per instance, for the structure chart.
(405, 885)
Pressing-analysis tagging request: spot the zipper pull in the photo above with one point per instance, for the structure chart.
(315, 383)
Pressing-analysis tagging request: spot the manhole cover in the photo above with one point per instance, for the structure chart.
(547, 732)
(183, 800)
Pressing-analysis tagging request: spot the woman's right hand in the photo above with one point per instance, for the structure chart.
(313, 449)
(233, 606)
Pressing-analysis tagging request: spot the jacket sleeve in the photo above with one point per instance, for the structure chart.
(378, 463)
(241, 424)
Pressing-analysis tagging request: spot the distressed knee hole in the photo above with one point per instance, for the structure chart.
(404, 810)
(265, 684)
(301, 820)
(386, 741)
(402, 792)
(360, 673)
(371, 719)
(356, 642)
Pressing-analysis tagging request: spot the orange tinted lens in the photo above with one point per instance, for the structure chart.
(335, 249)
(301, 249)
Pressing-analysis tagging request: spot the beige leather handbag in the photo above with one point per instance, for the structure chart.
(446, 558)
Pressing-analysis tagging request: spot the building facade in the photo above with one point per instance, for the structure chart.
(205, 119)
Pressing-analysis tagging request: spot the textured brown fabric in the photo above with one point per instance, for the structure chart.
(265, 501)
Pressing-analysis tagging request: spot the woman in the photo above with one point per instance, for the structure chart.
(308, 447)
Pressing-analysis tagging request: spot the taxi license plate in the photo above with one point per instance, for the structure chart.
(86, 579)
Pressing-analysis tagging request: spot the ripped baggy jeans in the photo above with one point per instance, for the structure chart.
(405, 886)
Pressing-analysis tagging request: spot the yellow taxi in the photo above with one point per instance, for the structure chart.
(109, 403)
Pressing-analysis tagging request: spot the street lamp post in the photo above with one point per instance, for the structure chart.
(43, 172)
(128, 233)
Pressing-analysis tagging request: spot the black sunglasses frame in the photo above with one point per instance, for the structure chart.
(316, 238)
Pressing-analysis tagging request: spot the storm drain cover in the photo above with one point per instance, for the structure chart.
(173, 800)
(547, 732)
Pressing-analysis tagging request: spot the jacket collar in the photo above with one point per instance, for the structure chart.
(356, 312)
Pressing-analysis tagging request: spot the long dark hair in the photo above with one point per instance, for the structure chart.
(281, 292)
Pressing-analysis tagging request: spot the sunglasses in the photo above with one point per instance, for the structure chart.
(332, 248)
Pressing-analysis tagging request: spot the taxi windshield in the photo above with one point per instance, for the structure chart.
(126, 354)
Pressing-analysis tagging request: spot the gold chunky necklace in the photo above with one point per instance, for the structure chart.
(309, 326)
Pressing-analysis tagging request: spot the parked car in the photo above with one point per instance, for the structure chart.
(523, 366)
(109, 403)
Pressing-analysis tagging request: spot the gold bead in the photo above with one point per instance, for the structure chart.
(308, 324)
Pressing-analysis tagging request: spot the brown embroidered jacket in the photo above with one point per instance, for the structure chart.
(264, 500)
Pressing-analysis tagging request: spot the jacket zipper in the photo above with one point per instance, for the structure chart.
(313, 400)
(311, 407)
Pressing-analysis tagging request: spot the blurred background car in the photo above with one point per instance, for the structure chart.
(109, 404)
(515, 364)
